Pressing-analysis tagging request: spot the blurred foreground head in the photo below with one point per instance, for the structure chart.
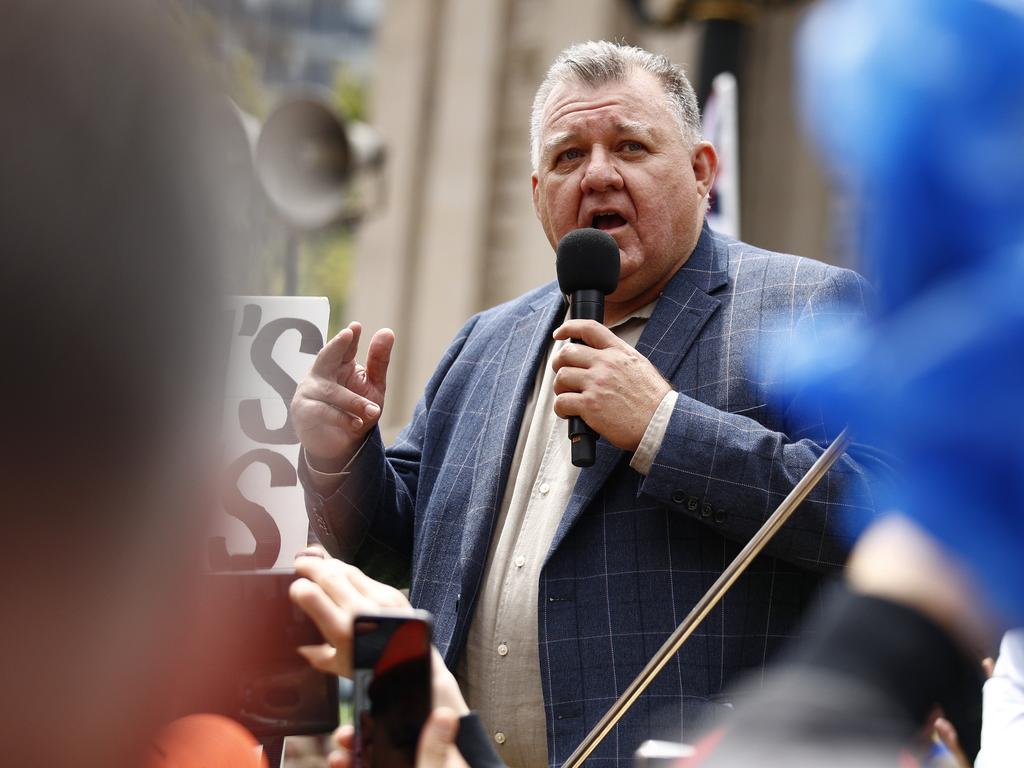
(918, 108)
(107, 313)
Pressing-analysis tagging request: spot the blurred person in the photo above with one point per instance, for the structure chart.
(551, 586)
(109, 312)
(861, 686)
(931, 147)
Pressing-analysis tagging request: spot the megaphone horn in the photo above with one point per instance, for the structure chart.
(306, 159)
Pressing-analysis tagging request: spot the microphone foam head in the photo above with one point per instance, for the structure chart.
(587, 259)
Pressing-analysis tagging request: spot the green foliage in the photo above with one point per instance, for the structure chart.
(349, 95)
(325, 267)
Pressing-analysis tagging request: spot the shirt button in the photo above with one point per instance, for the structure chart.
(520, 561)
(544, 488)
(503, 650)
(499, 737)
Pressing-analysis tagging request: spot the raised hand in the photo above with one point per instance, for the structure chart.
(340, 401)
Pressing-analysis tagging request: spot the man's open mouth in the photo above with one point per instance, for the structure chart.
(607, 221)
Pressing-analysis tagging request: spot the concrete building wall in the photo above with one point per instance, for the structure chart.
(453, 86)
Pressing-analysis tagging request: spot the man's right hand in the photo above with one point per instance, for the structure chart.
(340, 401)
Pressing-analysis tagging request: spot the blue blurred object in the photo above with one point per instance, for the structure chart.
(917, 107)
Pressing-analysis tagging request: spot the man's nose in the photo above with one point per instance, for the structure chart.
(601, 173)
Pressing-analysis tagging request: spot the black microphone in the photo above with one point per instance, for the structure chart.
(587, 262)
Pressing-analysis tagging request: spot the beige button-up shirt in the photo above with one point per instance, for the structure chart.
(499, 671)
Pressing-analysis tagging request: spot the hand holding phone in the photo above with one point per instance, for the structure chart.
(332, 593)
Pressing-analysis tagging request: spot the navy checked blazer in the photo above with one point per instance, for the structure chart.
(632, 554)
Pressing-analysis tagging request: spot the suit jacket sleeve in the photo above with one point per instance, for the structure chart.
(731, 472)
(369, 520)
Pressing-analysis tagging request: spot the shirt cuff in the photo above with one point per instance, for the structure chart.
(650, 443)
(326, 483)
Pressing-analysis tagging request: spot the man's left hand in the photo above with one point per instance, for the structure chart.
(612, 386)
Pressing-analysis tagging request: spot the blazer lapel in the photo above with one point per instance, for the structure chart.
(513, 382)
(682, 310)
(685, 305)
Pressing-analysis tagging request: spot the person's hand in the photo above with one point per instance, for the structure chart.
(612, 386)
(946, 733)
(340, 401)
(332, 593)
(436, 748)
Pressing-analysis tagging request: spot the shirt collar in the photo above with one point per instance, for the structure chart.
(642, 314)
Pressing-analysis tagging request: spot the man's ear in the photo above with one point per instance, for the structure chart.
(536, 195)
(705, 166)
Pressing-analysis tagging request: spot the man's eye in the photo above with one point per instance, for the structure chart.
(570, 154)
(632, 146)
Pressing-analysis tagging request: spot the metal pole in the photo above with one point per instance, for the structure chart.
(291, 263)
(710, 599)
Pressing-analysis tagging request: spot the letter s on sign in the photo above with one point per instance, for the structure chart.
(250, 413)
(252, 515)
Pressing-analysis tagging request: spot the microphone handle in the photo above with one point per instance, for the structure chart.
(586, 304)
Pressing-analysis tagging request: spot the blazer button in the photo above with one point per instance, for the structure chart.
(705, 510)
(719, 516)
(692, 504)
(678, 497)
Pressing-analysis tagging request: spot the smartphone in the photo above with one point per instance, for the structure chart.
(255, 673)
(392, 687)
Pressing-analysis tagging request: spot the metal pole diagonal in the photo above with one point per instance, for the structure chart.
(710, 599)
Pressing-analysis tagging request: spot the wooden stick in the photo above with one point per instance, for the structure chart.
(710, 599)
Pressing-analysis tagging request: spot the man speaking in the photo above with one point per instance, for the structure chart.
(552, 585)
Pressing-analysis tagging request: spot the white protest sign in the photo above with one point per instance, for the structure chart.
(274, 340)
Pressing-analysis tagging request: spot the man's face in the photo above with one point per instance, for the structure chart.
(613, 157)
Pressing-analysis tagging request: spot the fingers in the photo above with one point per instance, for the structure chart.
(335, 351)
(570, 404)
(574, 356)
(332, 593)
(349, 587)
(350, 353)
(436, 748)
(570, 380)
(322, 657)
(382, 595)
(333, 621)
(339, 397)
(948, 735)
(308, 413)
(313, 550)
(344, 738)
(378, 357)
(590, 332)
(335, 578)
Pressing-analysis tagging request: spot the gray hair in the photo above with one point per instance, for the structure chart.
(597, 62)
